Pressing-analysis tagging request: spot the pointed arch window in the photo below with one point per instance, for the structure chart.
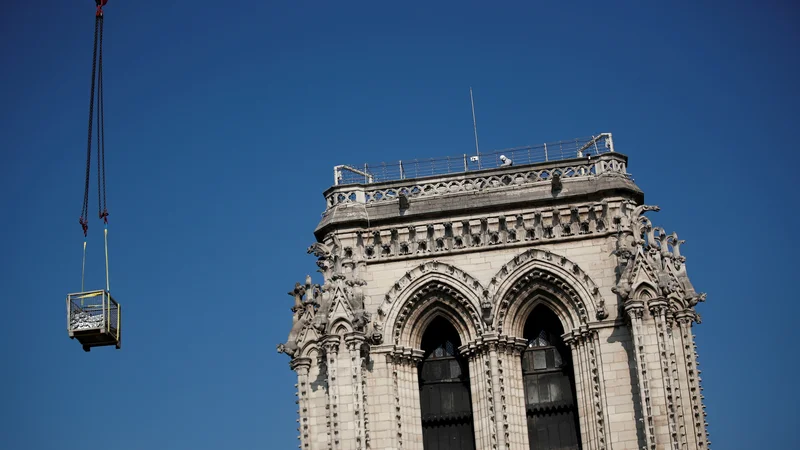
(445, 400)
(549, 381)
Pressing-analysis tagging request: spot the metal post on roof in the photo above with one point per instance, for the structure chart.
(475, 127)
(402, 175)
(545, 151)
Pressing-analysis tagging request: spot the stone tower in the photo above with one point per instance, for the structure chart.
(528, 304)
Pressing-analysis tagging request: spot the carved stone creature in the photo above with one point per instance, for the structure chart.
(298, 293)
(360, 320)
(376, 336)
(641, 245)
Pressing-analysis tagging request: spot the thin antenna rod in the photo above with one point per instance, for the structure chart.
(475, 127)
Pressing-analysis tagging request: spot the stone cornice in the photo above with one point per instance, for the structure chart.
(469, 234)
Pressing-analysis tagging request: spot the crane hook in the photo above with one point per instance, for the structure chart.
(100, 4)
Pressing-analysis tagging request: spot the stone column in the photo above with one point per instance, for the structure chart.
(635, 311)
(574, 342)
(354, 343)
(509, 359)
(591, 393)
(481, 394)
(497, 391)
(331, 345)
(497, 407)
(301, 366)
(381, 406)
(658, 309)
(692, 375)
(685, 413)
(408, 414)
(599, 391)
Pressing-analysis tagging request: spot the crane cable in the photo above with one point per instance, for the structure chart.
(97, 77)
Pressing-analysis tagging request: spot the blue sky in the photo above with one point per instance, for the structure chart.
(224, 121)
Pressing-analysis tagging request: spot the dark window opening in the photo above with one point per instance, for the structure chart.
(444, 391)
(549, 381)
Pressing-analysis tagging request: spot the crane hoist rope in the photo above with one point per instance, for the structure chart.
(94, 317)
(96, 90)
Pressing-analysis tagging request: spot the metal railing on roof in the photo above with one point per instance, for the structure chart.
(417, 168)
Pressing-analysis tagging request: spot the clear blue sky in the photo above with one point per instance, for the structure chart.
(223, 123)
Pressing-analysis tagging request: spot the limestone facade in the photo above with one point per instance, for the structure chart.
(483, 250)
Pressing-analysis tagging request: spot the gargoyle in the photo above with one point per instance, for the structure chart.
(319, 250)
(290, 347)
(298, 293)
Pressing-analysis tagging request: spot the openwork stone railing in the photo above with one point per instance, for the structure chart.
(607, 164)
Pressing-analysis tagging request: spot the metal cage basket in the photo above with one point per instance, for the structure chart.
(94, 318)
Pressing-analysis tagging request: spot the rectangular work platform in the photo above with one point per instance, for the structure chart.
(94, 318)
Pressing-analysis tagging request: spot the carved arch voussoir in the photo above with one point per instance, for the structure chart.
(309, 350)
(432, 288)
(644, 290)
(547, 275)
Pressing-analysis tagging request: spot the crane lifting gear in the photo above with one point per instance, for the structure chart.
(94, 317)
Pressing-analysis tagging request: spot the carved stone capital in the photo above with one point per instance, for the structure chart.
(331, 344)
(493, 342)
(405, 356)
(578, 336)
(634, 309)
(686, 317)
(657, 305)
(300, 365)
(355, 340)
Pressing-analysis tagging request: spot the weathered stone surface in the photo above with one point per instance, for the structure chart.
(481, 249)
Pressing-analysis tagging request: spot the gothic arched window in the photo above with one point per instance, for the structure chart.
(549, 379)
(444, 391)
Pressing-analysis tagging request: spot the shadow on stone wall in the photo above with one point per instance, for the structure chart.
(321, 381)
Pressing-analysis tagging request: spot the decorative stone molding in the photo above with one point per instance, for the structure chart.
(433, 284)
(449, 272)
(551, 272)
(456, 236)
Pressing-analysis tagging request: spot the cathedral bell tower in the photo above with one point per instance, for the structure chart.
(520, 301)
